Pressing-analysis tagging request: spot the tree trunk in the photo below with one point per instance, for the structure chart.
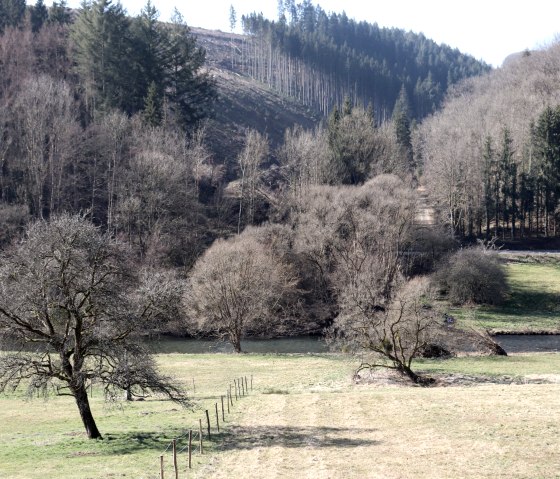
(235, 340)
(80, 394)
(409, 373)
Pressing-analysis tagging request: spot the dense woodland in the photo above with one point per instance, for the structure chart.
(322, 58)
(104, 114)
(116, 219)
(491, 155)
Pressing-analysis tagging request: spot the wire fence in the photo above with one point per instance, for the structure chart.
(181, 449)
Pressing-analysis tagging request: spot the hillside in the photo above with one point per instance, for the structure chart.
(322, 58)
(254, 91)
(492, 153)
(245, 103)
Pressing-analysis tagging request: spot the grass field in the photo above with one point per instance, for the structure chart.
(533, 303)
(304, 418)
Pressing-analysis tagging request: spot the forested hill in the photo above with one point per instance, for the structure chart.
(243, 102)
(322, 58)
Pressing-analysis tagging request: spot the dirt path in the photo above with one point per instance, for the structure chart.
(426, 213)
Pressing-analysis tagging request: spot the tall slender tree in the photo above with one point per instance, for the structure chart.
(39, 15)
(101, 49)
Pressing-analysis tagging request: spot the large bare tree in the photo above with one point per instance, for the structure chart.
(71, 306)
(237, 286)
(356, 239)
(395, 333)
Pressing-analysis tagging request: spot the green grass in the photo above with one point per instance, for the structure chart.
(45, 439)
(514, 365)
(533, 302)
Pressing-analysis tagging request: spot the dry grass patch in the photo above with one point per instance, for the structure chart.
(304, 418)
(485, 431)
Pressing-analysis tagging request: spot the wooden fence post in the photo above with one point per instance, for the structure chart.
(242, 386)
(208, 424)
(228, 399)
(161, 466)
(235, 388)
(190, 448)
(223, 412)
(217, 418)
(246, 387)
(175, 459)
(200, 434)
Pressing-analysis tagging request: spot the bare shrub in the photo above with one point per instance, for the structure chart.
(397, 332)
(473, 275)
(236, 287)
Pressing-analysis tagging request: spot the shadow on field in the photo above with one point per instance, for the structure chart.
(540, 300)
(131, 442)
(293, 436)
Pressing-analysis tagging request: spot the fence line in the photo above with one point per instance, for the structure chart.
(241, 389)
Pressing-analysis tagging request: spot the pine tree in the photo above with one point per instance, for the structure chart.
(546, 140)
(150, 53)
(58, 13)
(12, 13)
(401, 121)
(189, 91)
(152, 113)
(508, 174)
(489, 160)
(101, 52)
(39, 15)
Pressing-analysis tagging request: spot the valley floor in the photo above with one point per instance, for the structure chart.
(478, 432)
(306, 418)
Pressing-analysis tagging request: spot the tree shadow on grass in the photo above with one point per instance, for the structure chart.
(131, 442)
(533, 300)
(294, 436)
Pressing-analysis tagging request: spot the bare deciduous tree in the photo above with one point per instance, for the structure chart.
(396, 332)
(356, 239)
(254, 154)
(235, 288)
(46, 118)
(72, 304)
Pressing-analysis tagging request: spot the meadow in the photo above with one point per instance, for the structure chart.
(305, 418)
(532, 303)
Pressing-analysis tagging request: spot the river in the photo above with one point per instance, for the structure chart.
(512, 343)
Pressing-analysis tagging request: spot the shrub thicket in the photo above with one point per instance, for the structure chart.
(473, 275)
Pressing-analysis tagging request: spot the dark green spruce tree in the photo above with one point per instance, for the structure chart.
(546, 142)
(12, 13)
(58, 13)
(152, 113)
(39, 15)
(401, 121)
(102, 46)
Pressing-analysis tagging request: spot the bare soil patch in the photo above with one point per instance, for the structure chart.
(387, 377)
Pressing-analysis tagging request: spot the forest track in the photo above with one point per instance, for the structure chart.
(426, 212)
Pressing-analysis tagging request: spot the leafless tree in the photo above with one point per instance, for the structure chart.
(157, 206)
(13, 220)
(72, 304)
(341, 230)
(46, 118)
(250, 160)
(236, 287)
(304, 157)
(395, 332)
(356, 239)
